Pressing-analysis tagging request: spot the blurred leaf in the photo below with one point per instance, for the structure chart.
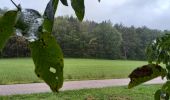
(79, 8)
(160, 94)
(166, 97)
(64, 2)
(166, 87)
(29, 24)
(157, 95)
(145, 73)
(7, 22)
(159, 50)
(48, 60)
(49, 16)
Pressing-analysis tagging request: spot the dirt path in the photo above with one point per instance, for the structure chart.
(71, 85)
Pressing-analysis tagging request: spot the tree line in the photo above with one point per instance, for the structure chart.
(103, 40)
(89, 39)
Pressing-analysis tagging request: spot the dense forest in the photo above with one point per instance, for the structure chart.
(89, 39)
(102, 40)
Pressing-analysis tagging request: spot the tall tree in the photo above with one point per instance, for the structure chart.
(108, 40)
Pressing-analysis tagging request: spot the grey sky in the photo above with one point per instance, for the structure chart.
(151, 13)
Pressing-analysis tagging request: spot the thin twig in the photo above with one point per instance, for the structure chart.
(18, 6)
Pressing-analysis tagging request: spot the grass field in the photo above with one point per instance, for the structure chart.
(110, 93)
(22, 70)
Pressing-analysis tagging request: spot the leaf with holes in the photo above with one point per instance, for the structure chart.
(48, 60)
(145, 73)
(49, 16)
(7, 22)
(64, 2)
(79, 8)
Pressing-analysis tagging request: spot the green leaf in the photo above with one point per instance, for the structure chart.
(166, 97)
(161, 94)
(49, 16)
(159, 50)
(145, 73)
(64, 2)
(157, 95)
(166, 87)
(7, 22)
(47, 54)
(48, 60)
(79, 8)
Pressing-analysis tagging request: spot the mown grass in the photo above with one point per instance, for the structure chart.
(110, 93)
(22, 70)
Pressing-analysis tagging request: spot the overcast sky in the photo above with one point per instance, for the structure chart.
(154, 14)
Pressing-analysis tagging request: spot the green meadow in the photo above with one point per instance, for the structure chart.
(21, 70)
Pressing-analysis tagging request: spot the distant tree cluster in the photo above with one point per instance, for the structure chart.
(89, 39)
(102, 40)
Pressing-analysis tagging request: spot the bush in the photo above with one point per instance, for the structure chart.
(16, 47)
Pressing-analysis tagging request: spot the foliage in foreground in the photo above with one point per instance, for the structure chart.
(37, 29)
(157, 52)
